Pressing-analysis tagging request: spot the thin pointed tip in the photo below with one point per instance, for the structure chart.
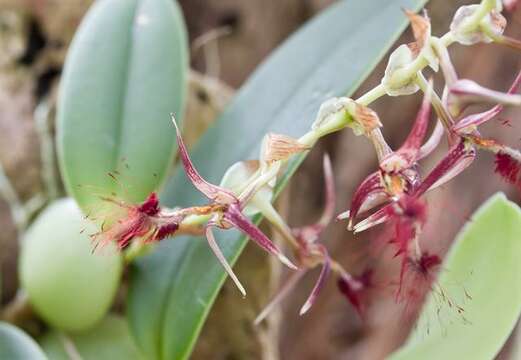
(258, 319)
(287, 262)
(174, 121)
(305, 308)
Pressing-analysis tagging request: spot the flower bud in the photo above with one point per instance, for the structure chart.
(328, 112)
(421, 27)
(365, 119)
(400, 59)
(466, 33)
(277, 147)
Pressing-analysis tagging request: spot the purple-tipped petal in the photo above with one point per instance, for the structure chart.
(237, 219)
(217, 251)
(417, 134)
(407, 154)
(475, 120)
(368, 191)
(460, 156)
(213, 192)
(379, 217)
(465, 92)
(324, 273)
(470, 122)
(281, 294)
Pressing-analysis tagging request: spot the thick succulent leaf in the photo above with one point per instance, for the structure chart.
(110, 340)
(482, 275)
(125, 72)
(17, 345)
(173, 289)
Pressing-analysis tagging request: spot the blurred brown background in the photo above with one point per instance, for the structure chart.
(34, 35)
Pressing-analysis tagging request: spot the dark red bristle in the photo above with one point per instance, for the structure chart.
(508, 168)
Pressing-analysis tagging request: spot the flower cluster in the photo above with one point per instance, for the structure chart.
(392, 194)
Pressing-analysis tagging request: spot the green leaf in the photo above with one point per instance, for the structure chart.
(17, 345)
(484, 264)
(108, 341)
(125, 72)
(173, 289)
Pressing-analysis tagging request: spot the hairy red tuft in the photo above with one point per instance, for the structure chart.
(508, 168)
(416, 280)
(150, 206)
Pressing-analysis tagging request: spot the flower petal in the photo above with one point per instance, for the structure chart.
(475, 120)
(218, 253)
(433, 141)
(213, 192)
(368, 191)
(237, 219)
(460, 156)
(324, 273)
(379, 217)
(417, 134)
(466, 92)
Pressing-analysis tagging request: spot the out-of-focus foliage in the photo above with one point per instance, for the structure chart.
(109, 340)
(17, 345)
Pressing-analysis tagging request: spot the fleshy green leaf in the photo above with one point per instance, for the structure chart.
(125, 72)
(482, 274)
(17, 345)
(173, 289)
(110, 340)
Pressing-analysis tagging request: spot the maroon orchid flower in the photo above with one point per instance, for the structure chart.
(397, 174)
(226, 211)
(311, 254)
(127, 222)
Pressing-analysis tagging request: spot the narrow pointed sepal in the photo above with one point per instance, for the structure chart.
(220, 256)
(237, 219)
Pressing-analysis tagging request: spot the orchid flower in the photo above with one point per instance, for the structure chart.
(310, 254)
(226, 211)
(146, 221)
(397, 174)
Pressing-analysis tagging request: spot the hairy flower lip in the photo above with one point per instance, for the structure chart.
(145, 221)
